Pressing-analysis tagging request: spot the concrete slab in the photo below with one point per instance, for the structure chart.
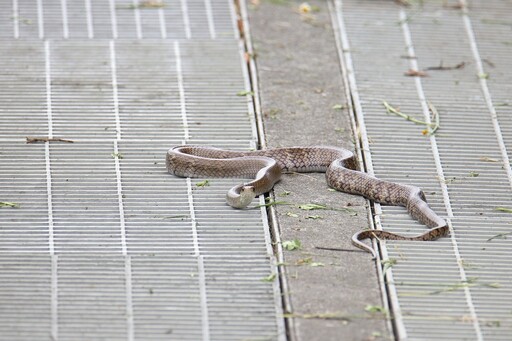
(301, 90)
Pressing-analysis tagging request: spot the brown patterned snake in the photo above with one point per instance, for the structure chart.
(339, 165)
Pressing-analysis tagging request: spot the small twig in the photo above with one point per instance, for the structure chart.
(47, 139)
(271, 203)
(392, 110)
(442, 68)
(435, 116)
(500, 236)
(488, 62)
(337, 249)
(432, 127)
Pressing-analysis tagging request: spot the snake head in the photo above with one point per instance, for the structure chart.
(240, 196)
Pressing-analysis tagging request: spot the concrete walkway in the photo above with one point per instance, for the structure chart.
(303, 103)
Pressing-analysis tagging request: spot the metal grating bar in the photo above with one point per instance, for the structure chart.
(465, 167)
(439, 167)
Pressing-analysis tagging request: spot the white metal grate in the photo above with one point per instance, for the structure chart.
(105, 245)
(464, 169)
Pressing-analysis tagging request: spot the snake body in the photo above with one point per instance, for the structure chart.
(339, 165)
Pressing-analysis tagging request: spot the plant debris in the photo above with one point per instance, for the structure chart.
(183, 216)
(292, 245)
(488, 62)
(415, 73)
(148, 4)
(375, 309)
(431, 130)
(470, 282)
(405, 3)
(322, 316)
(487, 159)
(337, 249)
(499, 236)
(9, 204)
(47, 139)
(459, 5)
(245, 93)
(431, 127)
(309, 207)
(388, 264)
(269, 278)
(272, 113)
(203, 183)
(304, 261)
(117, 155)
(503, 209)
(441, 67)
(272, 202)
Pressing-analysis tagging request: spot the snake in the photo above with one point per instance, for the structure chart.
(265, 167)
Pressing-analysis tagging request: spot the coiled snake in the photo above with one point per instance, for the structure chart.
(339, 165)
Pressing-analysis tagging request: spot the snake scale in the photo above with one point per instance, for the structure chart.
(339, 165)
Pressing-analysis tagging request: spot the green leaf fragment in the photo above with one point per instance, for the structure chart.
(292, 245)
(388, 264)
(291, 214)
(269, 278)
(203, 183)
(503, 209)
(493, 324)
(9, 204)
(431, 127)
(117, 155)
(317, 264)
(309, 207)
(245, 93)
(338, 106)
(375, 309)
(314, 217)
